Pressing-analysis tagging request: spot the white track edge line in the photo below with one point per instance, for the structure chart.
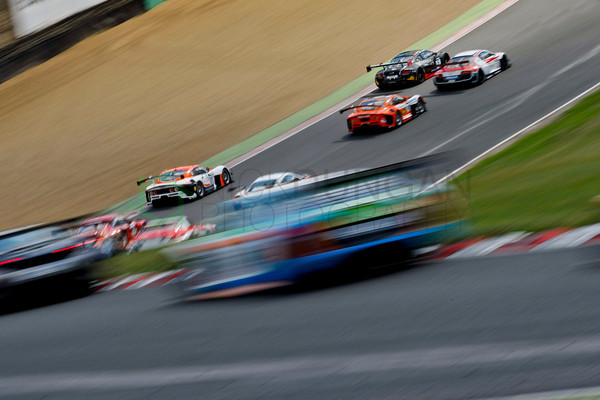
(511, 137)
(553, 395)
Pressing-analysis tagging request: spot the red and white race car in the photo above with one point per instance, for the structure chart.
(388, 112)
(161, 232)
(470, 67)
(112, 231)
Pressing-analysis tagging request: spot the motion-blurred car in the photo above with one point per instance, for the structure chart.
(161, 232)
(187, 182)
(111, 230)
(344, 224)
(56, 261)
(384, 112)
(410, 66)
(278, 181)
(470, 67)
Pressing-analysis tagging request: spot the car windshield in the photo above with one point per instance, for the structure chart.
(171, 176)
(91, 227)
(373, 103)
(462, 59)
(403, 57)
(264, 184)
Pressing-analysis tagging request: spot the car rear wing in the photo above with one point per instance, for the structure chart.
(146, 180)
(343, 110)
(370, 67)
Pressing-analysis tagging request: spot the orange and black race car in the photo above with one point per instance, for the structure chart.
(410, 66)
(384, 111)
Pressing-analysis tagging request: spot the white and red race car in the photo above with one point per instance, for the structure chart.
(161, 232)
(113, 232)
(470, 67)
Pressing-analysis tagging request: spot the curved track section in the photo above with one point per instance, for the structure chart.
(477, 328)
(555, 51)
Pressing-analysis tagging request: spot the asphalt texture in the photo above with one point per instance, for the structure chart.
(490, 326)
(445, 330)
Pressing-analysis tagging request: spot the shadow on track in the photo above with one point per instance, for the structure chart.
(364, 134)
(446, 92)
(353, 273)
(37, 297)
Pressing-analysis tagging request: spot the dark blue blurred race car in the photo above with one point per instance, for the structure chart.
(341, 224)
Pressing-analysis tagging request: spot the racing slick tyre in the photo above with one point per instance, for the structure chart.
(480, 78)
(419, 108)
(199, 190)
(445, 58)
(383, 86)
(504, 63)
(226, 177)
(398, 120)
(420, 75)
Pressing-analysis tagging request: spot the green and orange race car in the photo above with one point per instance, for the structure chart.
(386, 112)
(187, 183)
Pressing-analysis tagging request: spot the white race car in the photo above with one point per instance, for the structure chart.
(278, 181)
(473, 66)
(187, 182)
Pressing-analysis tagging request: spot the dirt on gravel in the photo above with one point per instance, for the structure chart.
(179, 84)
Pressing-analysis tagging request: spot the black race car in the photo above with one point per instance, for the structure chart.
(413, 66)
(52, 261)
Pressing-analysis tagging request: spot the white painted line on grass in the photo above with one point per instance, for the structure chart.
(553, 395)
(470, 163)
(513, 103)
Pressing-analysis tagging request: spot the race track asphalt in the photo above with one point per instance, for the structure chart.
(474, 328)
(445, 330)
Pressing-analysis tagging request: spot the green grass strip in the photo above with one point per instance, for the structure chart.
(135, 263)
(576, 398)
(548, 179)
